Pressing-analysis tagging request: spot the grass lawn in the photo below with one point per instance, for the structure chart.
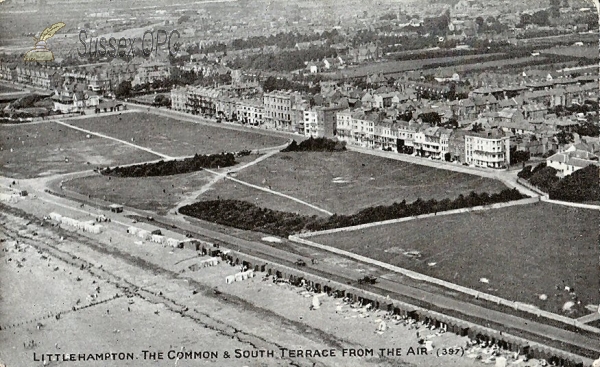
(524, 251)
(174, 137)
(140, 192)
(144, 192)
(32, 150)
(233, 190)
(346, 182)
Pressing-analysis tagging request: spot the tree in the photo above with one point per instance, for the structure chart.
(123, 90)
(477, 127)
(579, 186)
(518, 156)
(525, 173)
(432, 118)
(544, 178)
(564, 137)
(541, 18)
(479, 21)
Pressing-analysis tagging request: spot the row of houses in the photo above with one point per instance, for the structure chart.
(574, 158)
(99, 79)
(488, 148)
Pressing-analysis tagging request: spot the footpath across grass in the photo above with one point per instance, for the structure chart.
(174, 137)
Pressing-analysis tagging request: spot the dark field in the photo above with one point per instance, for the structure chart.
(524, 251)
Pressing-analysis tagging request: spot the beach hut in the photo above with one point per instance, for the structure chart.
(316, 302)
(229, 279)
(143, 234)
(116, 208)
(132, 230)
(238, 277)
(158, 238)
(501, 362)
(8, 198)
(172, 242)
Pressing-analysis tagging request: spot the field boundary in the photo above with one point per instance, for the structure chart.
(519, 306)
(406, 219)
(568, 203)
(523, 182)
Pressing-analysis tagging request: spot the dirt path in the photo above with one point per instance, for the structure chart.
(192, 196)
(111, 138)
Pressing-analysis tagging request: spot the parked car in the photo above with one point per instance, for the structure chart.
(300, 262)
(367, 279)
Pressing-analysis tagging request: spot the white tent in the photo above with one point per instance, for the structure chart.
(316, 303)
(172, 242)
(143, 234)
(500, 362)
(158, 238)
(249, 273)
(132, 230)
(382, 326)
(229, 279)
(238, 277)
(55, 216)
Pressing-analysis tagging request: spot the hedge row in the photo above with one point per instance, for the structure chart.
(245, 215)
(174, 167)
(316, 145)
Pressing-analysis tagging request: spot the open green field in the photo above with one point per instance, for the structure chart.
(140, 192)
(524, 251)
(588, 52)
(174, 137)
(156, 193)
(346, 182)
(31, 150)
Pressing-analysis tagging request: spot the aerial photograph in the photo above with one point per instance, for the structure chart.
(305, 183)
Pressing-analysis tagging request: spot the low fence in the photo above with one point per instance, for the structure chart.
(406, 219)
(422, 277)
(531, 187)
(396, 307)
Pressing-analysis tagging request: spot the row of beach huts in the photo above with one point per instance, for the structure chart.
(87, 226)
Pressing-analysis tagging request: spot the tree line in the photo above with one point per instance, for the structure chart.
(247, 216)
(579, 186)
(283, 61)
(174, 167)
(316, 145)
